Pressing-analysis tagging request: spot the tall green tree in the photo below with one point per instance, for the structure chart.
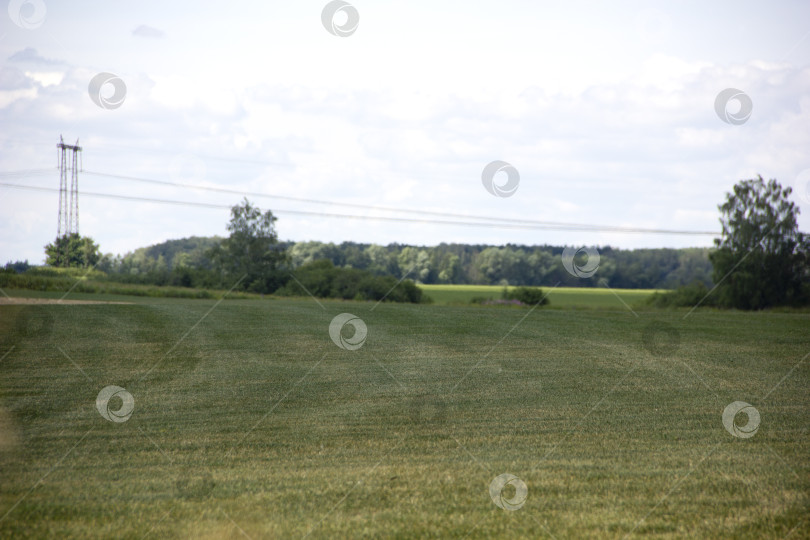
(252, 250)
(762, 258)
(72, 250)
(382, 260)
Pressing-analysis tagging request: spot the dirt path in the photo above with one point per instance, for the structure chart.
(21, 301)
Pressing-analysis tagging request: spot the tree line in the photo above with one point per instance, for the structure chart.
(662, 268)
(761, 260)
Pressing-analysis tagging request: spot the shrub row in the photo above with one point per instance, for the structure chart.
(518, 296)
(323, 280)
(62, 284)
(687, 296)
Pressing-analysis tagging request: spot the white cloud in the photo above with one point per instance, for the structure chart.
(29, 55)
(144, 31)
(607, 114)
(46, 78)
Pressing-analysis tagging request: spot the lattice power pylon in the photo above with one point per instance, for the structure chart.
(68, 206)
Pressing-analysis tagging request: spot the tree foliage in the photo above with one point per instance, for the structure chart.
(72, 251)
(322, 279)
(518, 265)
(762, 259)
(531, 296)
(17, 267)
(252, 252)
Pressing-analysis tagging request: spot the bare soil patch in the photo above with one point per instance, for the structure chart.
(28, 301)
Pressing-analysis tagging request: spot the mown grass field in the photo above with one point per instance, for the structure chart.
(559, 297)
(249, 421)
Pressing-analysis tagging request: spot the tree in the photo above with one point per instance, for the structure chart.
(72, 250)
(503, 264)
(417, 262)
(252, 250)
(382, 261)
(18, 267)
(302, 253)
(450, 268)
(762, 258)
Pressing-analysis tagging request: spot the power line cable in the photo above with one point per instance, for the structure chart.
(547, 224)
(559, 227)
(24, 173)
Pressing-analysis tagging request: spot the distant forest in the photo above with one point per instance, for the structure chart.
(446, 263)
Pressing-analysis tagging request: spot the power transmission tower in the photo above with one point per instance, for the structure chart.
(68, 207)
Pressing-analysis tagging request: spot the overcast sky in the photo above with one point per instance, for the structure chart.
(605, 109)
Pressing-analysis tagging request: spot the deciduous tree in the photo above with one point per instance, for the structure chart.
(252, 250)
(72, 250)
(762, 258)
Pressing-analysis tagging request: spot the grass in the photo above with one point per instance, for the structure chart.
(252, 421)
(559, 297)
(56, 280)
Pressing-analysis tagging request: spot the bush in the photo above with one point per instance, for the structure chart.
(323, 280)
(527, 295)
(686, 296)
(35, 282)
(17, 267)
(179, 276)
(72, 273)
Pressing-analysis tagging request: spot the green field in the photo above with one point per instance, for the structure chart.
(559, 297)
(249, 421)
